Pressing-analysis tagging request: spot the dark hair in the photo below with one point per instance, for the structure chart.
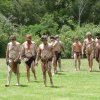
(76, 38)
(44, 37)
(29, 36)
(12, 37)
(52, 37)
(98, 37)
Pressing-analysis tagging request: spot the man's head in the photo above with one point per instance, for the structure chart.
(57, 37)
(28, 38)
(52, 38)
(13, 38)
(44, 39)
(89, 35)
(76, 39)
(98, 37)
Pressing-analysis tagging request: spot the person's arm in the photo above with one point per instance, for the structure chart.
(80, 47)
(81, 50)
(62, 47)
(96, 52)
(7, 54)
(36, 49)
(94, 47)
(22, 52)
(72, 54)
(38, 55)
(84, 47)
(19, 53)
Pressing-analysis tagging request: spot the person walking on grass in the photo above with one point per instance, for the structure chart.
(58, 47)
(89, 49)
(13, 59)
(29, 51)
(76, 52)
(97, 50)
(45, 53)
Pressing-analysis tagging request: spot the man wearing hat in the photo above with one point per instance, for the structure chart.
(13, 59)
(29, 51)
(89, 49)
(45, 53)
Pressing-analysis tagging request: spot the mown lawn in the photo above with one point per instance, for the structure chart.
(69, 84)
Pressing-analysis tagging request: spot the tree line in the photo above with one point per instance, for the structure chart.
(68, 18)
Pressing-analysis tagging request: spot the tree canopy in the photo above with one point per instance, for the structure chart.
(64, 17)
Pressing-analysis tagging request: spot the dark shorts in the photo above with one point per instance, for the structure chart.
(45, 65)
(77, 54)
(29, 62)
(58, 55)
(46, 60)
(14, 66)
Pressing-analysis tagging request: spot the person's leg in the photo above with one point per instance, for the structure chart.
(59, 63)
(75, 61)
(99, 61)
(33, 70)
(88, 57)
(18, 75)
(44, 65)
(97, 54)
(79, 62)
(49, 73)
(9, 74)
(91, 61)
(55, 64)
(28, 73)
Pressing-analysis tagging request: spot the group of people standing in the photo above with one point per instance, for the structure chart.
(48, 52)
(90, 47)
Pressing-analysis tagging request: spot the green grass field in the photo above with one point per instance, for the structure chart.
(69, 84)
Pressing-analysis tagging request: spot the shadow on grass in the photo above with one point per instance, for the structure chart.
(21, 85)
(95, 71)
(55, 87)
(60, 73)
(17, 85)
(38, 81)
(82, 70)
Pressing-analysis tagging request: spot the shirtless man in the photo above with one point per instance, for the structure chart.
(45, 53)
(77, 51)
(13, 59)
(57, 49)
(29, 51)
(97, 52)
(89, 49)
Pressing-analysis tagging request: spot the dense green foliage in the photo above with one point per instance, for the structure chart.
(68, 18)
